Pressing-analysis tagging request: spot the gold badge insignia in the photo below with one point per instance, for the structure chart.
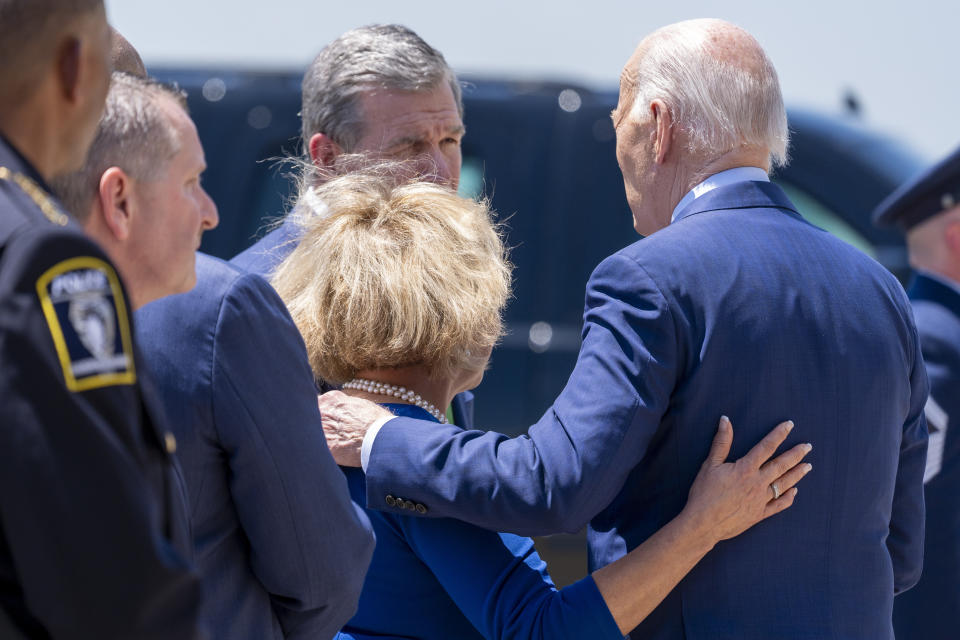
(85, 310)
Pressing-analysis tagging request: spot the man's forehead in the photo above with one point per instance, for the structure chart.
(421, 124)
(389, 112)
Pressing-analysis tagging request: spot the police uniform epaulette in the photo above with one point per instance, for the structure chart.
(16, 210)
(50, 209)
(933, 191)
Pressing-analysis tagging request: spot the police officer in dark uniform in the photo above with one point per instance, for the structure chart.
(927, 210)
(93, 532)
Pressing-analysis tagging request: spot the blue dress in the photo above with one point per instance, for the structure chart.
(438, 578)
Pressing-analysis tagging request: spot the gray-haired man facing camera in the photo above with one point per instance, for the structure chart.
(378, 92)
(382, 92)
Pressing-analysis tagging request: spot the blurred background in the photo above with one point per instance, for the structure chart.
(894, 59)
(870, 90)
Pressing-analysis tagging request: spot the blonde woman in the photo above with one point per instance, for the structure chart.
(398, 291)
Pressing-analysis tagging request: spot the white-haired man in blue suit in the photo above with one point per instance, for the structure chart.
(732, 304)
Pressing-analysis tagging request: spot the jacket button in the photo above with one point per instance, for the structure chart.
(421, 509)
(391, 501)
(408, 505)
(170, 443)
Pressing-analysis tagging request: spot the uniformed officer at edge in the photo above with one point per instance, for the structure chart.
(92, 526)
(927, 211)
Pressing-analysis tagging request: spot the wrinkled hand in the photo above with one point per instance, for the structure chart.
(345, 423)
(727, 498)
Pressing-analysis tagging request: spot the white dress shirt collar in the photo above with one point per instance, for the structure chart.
(313, 204)
(722, 179)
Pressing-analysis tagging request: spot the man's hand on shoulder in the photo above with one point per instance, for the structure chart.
(345, 423)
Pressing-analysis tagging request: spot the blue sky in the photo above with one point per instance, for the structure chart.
(899, 58)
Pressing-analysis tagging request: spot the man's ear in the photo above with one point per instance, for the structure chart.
(663, 132)
(323, 150)
(68, 67)
(115, 195)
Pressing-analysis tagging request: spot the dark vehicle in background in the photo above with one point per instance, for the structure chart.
(543, 152)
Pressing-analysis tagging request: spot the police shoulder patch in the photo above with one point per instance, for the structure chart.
(83, 303)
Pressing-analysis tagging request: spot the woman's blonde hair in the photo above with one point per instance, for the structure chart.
(394, 275)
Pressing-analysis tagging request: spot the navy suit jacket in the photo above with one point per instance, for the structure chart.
(282, 549)
(931, 610)
(742, 308)
(265, 255)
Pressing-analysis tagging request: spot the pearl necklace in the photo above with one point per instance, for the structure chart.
(382, 389)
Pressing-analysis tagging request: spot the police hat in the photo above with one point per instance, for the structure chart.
(933, 191)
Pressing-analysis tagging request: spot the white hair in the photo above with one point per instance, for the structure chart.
(719, 104)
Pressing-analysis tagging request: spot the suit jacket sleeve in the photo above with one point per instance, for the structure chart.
(82, 526)
(310, 544)
(905, 540)
(572, 462)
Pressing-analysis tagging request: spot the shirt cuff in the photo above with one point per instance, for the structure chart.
(368, 439)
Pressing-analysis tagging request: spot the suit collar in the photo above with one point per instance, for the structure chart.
(717, 180)
(930, 289)
(741, 195)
